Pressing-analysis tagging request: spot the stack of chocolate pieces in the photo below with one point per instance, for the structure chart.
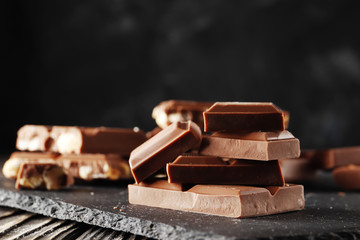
(232, 172)
(51, 157)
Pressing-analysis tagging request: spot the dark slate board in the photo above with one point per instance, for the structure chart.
(328, 213)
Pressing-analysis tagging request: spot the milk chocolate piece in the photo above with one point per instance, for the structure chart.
(298, 170)
(242, 116)
(212, 170)
(43, 175)
(230, 145)
(72, 139)
(171, 111)
(335, 157)
(222, 200)
(96, 166)
(347, 177)
(98, 140)
(33, 138)
(12, 165)
(162, 148)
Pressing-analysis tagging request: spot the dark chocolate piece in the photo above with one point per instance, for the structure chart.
(171, 111)
(347, 177)
(96, 166)
(162, 148)
(43, 175)
(241, 116)
(230, 145)
(212, 170)
(297, 170)
(223, 200)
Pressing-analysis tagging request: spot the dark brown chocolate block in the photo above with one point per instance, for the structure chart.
(50, 176)
(162, 148)
(347, 177)
(212, 170)
(171, 111)
(222, 200)
(73, 139)
(241, 116)
(297, 170)
(261, 146)
(335, 157)
(95, 166)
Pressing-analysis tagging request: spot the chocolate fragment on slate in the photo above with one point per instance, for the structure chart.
(231, 145)
(347, 177)
(49, 176)
(12, 165)
(162, 148)
(242, 116)
(213, 170)
(335, 157)
(222, 200)
(96, 166)
(73, 139)
(167, 112)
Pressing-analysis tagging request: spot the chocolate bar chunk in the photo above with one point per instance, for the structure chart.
(12, 165)
(212, 170)
(48, 176)
(162, 148)
(95, 166)
(347, 177)
(240, 116)
(222, 200)
(171, 111)
(335, 157)
(298, 170)
(65, 139)
(33, 138)
(261, 146)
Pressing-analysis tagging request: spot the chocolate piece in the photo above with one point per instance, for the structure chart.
(12, 165)
(330, 158)
(171, 111)
(298, 170)
(241, 116)
(223, 200)
(96, 166)
(33, 138)
(347, 177)
(66, 139)
(162, 148)
(98, 140)
(164, 184)
(212, 170)
(48, 176)
(233, 146)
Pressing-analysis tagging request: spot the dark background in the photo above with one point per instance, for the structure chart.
(110, 62)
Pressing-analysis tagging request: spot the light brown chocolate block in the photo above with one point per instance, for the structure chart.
(49, 176)
(229, 145)
(222, 200)
(33, 138)
(244, 116)
(96, 166)
(162, 148)
(336, 157)
(12, 165)
(196, 169)
(347, 177)
(167, 112)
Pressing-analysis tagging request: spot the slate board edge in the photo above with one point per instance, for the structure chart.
(66, 211)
